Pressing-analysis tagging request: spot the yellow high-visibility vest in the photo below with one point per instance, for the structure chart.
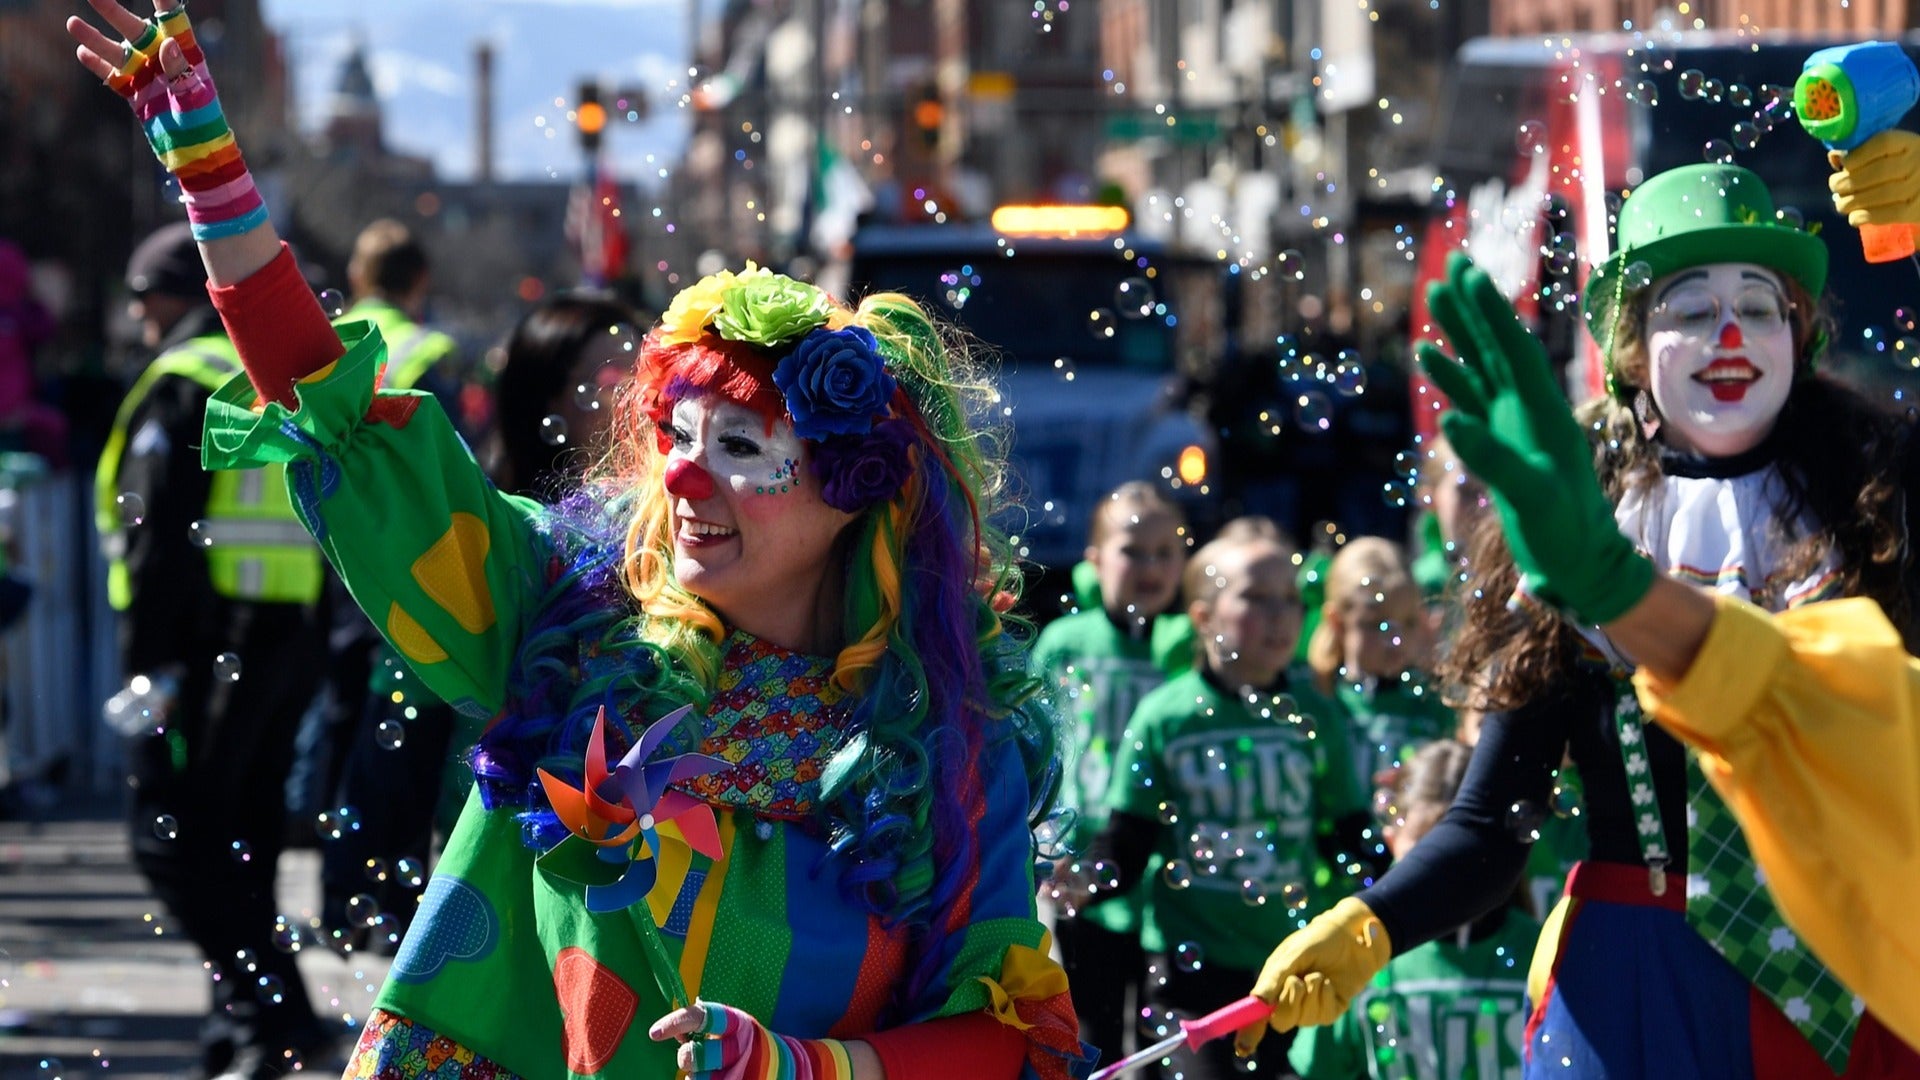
(412, 349)
(257, 549)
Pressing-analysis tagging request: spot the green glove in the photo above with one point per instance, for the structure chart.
(1512, 427)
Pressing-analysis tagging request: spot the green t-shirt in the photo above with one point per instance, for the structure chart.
(1097, 674)
(1391, 722)
(1439, 1012)
(1246, 796)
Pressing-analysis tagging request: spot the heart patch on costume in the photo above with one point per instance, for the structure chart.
(596, 1009)
(454, 922)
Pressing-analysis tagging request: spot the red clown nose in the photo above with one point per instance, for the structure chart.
(1730, 336)
(686, 480)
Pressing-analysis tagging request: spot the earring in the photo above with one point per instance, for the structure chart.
(1646, 414)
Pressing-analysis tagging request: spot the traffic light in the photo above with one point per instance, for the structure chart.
(928, 115)
(590, 116)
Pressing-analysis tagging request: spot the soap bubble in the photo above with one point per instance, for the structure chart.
(1524, 819)
(1313, 410)
(1177, 874)
(1531, 138)
(363, 909)
(1187, 956)
(1134, 298)
(1349, 377)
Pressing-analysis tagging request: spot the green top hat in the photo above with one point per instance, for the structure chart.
(1693, 216)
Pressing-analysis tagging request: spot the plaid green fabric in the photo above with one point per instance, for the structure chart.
(1728, 904)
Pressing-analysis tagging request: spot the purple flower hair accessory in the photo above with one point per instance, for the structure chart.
(835, 382)
(857, 471)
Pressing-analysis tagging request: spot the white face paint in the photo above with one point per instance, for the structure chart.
(1720, 347)
(751, 535)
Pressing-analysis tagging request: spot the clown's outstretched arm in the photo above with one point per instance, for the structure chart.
(442, 563)
(1808, 722)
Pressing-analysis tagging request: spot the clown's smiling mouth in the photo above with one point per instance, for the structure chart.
(1728, 380)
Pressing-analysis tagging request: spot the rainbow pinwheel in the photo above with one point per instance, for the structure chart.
(618, 813)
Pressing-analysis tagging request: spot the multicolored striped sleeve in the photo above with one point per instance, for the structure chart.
(442, 562)
(996, 955)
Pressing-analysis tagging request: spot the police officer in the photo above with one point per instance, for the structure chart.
(222, 637)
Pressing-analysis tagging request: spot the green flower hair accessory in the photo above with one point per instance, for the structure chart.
(770, 310)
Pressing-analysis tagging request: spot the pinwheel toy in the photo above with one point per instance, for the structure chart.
(613, 820)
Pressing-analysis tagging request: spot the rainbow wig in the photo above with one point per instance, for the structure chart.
(928, 582)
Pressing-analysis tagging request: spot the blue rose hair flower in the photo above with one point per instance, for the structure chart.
(835, 383)
(857, 471)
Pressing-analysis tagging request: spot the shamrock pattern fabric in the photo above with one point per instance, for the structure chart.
(1727, 899)
(1728, 903)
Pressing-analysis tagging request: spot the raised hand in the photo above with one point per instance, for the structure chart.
(162, 72)
(1512, 427)
(1878, 182)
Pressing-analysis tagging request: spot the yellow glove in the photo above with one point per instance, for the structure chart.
(1316, 972)
(1878, 182)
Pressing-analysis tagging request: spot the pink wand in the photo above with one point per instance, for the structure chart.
(1223, 1021)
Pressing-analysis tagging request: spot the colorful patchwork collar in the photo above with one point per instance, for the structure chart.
(777, 716)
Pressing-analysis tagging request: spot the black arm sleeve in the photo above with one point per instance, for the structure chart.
(1125, 844)
(173, 600)
(1469, 863)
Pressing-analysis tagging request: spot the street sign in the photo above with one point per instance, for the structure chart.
(1180, 127)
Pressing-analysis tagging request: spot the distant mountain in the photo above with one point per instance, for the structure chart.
(420, 53)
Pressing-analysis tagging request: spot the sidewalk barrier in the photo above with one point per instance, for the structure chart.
(58, 663)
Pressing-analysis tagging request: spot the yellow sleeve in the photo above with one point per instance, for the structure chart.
(1806, 722)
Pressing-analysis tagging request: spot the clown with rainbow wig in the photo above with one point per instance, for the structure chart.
(757, 763)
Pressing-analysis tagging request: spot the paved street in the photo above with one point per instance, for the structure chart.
(94, 982)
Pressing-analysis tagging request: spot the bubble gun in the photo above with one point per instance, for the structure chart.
(1224, 1021)
(1848, 94)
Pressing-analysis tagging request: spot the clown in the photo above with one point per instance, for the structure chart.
(821, 869)
(1728, 462)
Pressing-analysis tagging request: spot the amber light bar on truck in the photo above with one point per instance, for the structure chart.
(1059, 220)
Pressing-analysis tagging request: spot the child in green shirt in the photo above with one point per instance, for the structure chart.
(1240, 780)
(1455, 1007)
(1098, 663)
(1366, 652)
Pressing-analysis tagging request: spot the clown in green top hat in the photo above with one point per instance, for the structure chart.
(1723, 460)
(1707, 308)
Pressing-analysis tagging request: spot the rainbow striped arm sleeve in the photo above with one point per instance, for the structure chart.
(731, 1045)
(187, 128)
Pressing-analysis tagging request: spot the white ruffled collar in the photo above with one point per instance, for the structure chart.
(1724, 533)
